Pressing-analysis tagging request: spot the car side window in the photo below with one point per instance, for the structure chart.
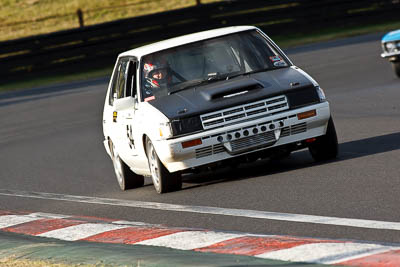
(131, 79)
(118, 82)
(121, 80)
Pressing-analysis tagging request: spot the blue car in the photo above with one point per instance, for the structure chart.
(391, 49)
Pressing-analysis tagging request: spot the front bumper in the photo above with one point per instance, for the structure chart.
(243, 138)
(394, 56)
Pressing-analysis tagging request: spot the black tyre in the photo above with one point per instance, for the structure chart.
(326, 146)
(396, 68)
(126, 178)
(163, 180)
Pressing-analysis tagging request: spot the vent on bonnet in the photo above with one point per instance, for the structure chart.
(236, 91)
(230, 89)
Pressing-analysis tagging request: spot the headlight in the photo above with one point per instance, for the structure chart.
(186, 125)
(302, 97)
(165, 130)
(321, 94)
(390, 47)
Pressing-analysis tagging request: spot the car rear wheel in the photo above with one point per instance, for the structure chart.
(126, 178)
(163, 180)
(326, 146)
(396, 68)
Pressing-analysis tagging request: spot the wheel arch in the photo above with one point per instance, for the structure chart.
(144, 143)
(108, 145)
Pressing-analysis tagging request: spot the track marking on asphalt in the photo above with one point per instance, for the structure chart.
(189, 240)
(11, 220)
(267, 215)
(76, 232)
(272, 247)
(326, 253)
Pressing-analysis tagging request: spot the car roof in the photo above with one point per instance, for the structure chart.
(185, 39)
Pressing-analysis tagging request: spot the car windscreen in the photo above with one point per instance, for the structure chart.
(222, 58)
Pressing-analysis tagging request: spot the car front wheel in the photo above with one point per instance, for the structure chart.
(126, 178)
(163, 180)
(396, 68)
(326, 146)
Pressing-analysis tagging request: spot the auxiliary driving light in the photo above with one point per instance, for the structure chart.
(307, 114)
(191, 143)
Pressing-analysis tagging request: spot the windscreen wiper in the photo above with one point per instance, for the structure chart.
(255, 71)
(186, 85)
(211, 78)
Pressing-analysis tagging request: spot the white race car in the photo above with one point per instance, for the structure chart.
(391, 49)
(208, 99)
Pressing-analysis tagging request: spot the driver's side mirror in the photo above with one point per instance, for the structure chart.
(125, 103)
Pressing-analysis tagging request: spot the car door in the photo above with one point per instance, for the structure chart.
(125, 110)
(113, 118)
(136, 121)
(109, 114)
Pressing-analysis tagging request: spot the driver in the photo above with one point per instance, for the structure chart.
(156, 76)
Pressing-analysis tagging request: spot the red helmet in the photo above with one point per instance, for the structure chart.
(156, 75)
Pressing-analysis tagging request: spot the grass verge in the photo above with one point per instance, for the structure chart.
(11, 262)
(44, 16)
(284, 41)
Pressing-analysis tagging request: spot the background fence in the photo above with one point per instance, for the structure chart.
(97, 46)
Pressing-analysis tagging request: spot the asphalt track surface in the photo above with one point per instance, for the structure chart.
(51, 142)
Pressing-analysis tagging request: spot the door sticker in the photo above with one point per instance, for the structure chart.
(130, 136)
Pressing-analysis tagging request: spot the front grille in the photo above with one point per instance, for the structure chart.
(209, 150)
(242, 144)
(298, 128)
(285, 132)
(294, 129)
(252, 141)
(244, 112)
(210, 117)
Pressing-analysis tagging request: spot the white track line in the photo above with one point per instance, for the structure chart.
(81, 231)
(326, 253)
(189, 240)
(372, 224)
(11, 220)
